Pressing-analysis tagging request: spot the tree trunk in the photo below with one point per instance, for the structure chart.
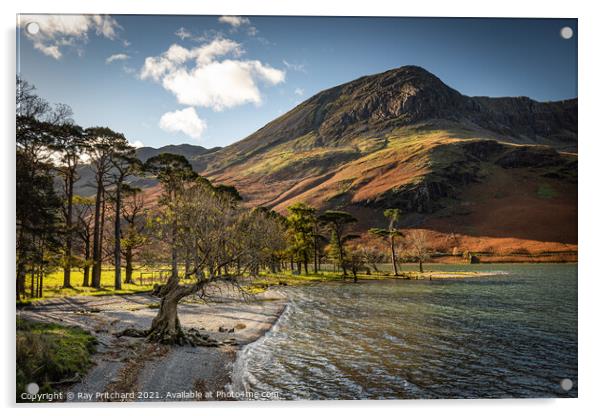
(118, 237)
(20, 278)
(166, 328)
(174, 251)
(41, 284)
(341, 255)
(33, 281)
(305, 261)
(187, 262)
(96, 238)
(69, 236)
(393, 257)
(86, 281)
(129, 268)
(315, 253)
(273, 265)
(420, 263)
(102, 237)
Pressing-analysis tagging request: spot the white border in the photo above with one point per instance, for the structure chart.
(590, 153)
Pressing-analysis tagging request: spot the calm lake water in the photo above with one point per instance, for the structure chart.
(513, 334)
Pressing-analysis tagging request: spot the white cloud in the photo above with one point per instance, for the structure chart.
(293, 66)
(57, 31)
(186, 121)
(117, 57)
(183, 33)
(137, 144)
(210, 82)
(129, 70)
(299, 91)
(50, 50)
(234, 21)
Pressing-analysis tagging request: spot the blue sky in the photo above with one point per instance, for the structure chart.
(228, 76)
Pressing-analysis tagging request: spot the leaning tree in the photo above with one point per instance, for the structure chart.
(221, 233)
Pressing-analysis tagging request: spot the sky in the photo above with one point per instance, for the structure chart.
(213, 80)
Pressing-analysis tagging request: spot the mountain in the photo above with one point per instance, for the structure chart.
(191, 152)
(85, 184)
(477, 166)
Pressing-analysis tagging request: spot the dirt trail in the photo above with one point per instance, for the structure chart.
(129, 369)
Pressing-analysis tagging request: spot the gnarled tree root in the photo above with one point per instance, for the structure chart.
(191, 336)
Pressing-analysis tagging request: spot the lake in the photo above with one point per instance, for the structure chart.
(513, 334)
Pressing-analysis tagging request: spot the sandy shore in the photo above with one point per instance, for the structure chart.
(129, 369)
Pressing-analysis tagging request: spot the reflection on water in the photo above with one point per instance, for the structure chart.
(507, 335)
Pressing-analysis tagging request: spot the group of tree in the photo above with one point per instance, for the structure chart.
(314, 237)
(52, 221)
(201, 230)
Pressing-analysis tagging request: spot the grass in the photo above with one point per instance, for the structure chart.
(53, 283)
(545, 191)
(267, 280)
(50, 355)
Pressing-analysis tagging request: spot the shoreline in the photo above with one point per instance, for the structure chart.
(130, 369)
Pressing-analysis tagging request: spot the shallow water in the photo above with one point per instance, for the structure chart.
(513, 334)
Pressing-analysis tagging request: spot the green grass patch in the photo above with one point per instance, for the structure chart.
(53, 283)
(48, 354)
(545, 191)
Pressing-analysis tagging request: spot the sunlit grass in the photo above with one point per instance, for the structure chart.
(53, 285)
(53, 282)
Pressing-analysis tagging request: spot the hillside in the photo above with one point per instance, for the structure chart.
(84, 185)
(501, 168)
(191, 152)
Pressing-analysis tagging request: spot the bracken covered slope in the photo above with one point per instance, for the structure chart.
(477, 166)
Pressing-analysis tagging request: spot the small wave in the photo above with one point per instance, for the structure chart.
(241, 378)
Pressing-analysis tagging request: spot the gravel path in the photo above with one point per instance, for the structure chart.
(129, 369)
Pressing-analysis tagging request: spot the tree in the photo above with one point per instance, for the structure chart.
(228, 190)
(173, 172)
(301, 220)
(69, 145)
(37, 205)
(355, 261)
(221, 234)
(83, 208)
(417, 242)
(124, 164)
(390, 233)
(319, 243)
(101, 142)
(337, 222)
(373, 255)
(132, 234)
